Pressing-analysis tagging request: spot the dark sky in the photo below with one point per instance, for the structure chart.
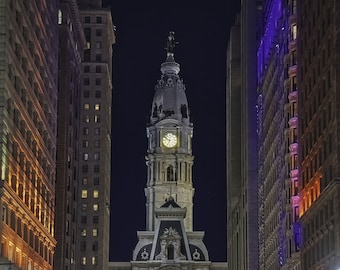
(202, 30)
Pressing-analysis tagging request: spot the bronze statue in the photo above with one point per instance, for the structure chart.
(171, 42)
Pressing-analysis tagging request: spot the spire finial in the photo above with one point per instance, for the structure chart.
(171, 42)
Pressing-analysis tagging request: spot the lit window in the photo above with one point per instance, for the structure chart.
(84, 193)
(97, 107)
(86, 156)
(95, 194)
(97, 118)
(94, 260)
(96, 156)
(95, 207)
(83, 232)
(294, 31)
(86, 106)
(83, 260)
(85, 131)
(60, 17)
(84, 181)
(95, 232)
(86, 119)
(85, 143)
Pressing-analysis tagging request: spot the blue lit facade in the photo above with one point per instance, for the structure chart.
(279, 230)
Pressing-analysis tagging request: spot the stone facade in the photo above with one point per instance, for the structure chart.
(318, 81)
(279, 229)
(71, 46)
(169, 241)
(94, 174)
(28, 128)
(242, 244)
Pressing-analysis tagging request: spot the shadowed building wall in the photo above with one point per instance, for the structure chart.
(319, 155)
(242, 141)
(71, 46)
(93, 208)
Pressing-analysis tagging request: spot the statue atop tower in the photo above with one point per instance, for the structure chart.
(169, 241)
(171, 42)
(169, 154)
(170, 100)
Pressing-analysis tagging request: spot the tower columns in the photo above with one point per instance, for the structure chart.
(169, 156)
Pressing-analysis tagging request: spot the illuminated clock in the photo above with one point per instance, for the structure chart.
(169, 140)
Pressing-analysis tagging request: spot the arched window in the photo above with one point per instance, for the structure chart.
(171, 252)
(170, 173)
(60, 17)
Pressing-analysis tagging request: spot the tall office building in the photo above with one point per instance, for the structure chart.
(242, 141)
(28, 128)
(233, 105)
(71, 45)
(169, 241)
(319, 89)
(277, 131)
(93, 207)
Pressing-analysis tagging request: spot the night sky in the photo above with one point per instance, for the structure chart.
(202, 30)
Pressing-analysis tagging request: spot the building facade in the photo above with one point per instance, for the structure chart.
(169, 241)
(94, 154)
(28, 128)
(319, 88)
(233, 105)
(242, 238)
(71, 46)
(279, 229)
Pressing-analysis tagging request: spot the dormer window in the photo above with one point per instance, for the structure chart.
(171, 252)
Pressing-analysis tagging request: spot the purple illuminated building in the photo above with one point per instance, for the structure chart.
(279, 230)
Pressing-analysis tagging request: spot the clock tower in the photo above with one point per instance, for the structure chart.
(169, 155)
(169, 242)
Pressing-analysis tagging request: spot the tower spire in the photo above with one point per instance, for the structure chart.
(169, 157)
(169, 241)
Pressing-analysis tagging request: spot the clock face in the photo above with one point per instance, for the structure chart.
(169, 140)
